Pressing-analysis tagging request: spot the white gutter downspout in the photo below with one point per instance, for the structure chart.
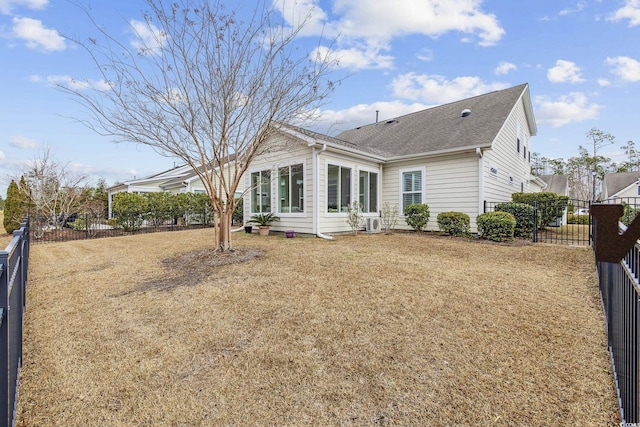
(480, 181)
(316, 192)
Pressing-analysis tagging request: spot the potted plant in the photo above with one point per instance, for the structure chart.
(264, 220)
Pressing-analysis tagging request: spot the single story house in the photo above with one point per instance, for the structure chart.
(453, 157)
(622, 186)
(180, 179)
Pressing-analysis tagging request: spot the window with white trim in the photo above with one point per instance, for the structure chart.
(368, 189)
(338, 189)
(411, 187)
(261, 191)
(291, 189)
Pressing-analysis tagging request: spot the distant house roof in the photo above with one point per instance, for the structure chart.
(443, 128)
(616, 182)
(558, 184)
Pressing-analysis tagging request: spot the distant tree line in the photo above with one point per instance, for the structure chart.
(52, 190)
(586, 171)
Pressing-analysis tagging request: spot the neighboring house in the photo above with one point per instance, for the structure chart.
(180, 179)
(452, 157)
(622, 186)
(558, 184)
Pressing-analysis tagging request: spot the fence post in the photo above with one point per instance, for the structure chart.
(4, 340)
(535, 221)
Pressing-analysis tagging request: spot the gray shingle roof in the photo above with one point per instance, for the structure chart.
(440, 128)
(331, 140)
(615, 182)
(558, 184)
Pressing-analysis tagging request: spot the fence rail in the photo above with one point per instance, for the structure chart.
(88, 226)
(620, 293)
(14, 265)
(559, 223)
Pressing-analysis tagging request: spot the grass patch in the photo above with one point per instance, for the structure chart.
(406, 329)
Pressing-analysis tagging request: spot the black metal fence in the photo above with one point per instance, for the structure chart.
(560, 223)
(14, 265)
(620, 292)
(88, 226)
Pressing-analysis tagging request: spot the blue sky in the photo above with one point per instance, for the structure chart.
(580, 58)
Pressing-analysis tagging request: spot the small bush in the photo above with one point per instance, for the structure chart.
(389, 218)
(551, 206)
(417, 215)
(524, 215)
(629, 214)
(578, 219)
(238, 213)
(496, 226)
(454, 223)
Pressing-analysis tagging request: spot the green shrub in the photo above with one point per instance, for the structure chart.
(127, 210)
(578, 219)
(80, 224)
(496, 226)
(417, 215)
(238, 213)
(629, 214)
(551, 206)
(454, 223)
(524, 215)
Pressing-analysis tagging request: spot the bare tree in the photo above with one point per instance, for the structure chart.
(600, 139)
(207, 85)
(53, 189)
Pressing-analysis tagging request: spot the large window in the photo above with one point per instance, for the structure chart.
(368, 196)
(291, 188)
(411, 187)
(261, 192)
(338, 188)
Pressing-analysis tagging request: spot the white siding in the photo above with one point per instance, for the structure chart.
(451, 184)
(286, 152)
(513, 169)
(337, 222)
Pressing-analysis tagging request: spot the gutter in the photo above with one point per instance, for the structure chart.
(480, 180)
(316, 191)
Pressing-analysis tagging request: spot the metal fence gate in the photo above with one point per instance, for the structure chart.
(560, 223)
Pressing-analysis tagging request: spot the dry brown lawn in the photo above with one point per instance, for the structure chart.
(404, 330)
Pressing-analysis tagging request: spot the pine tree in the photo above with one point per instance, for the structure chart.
(13, 208)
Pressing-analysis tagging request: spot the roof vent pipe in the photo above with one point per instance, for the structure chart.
(466, 112)
(377, 111)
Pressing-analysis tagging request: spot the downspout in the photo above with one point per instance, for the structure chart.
(480, 181)
(316, 192)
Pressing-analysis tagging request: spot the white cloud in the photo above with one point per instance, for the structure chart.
(505, 68)
(2, 156)
(362, 114)
(6, 6)
(564, 71)
(36, 35)
(22, 142)
(303, 12)
(425, 55)
(148, 38)
(630, 11)
(357, 59)
(568, 11)
(72, 83)
(604, 82)
(435, 89)
(627, 69)
(372, 26)
(574, 107)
